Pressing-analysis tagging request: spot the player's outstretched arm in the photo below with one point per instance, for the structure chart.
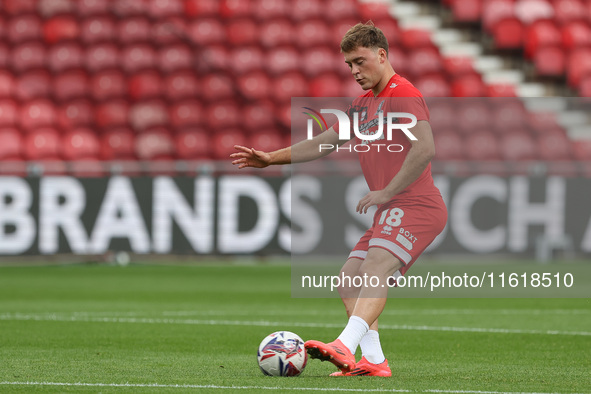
(303, 151)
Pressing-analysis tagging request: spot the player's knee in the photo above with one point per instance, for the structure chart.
(379, 267)
(347, 288)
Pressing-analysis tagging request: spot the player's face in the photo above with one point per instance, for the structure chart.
(367, 65)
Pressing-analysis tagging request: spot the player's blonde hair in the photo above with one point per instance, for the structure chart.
(364, 35)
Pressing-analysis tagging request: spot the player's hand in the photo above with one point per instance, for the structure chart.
(377, 197)
(248, 157)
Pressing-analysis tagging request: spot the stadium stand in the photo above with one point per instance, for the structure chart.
(169, 80)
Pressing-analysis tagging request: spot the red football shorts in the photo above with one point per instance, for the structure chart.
(404, 228)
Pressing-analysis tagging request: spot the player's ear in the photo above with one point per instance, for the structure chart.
(382, 55)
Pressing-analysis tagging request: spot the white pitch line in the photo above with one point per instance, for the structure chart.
(212, 386)
(264, 323)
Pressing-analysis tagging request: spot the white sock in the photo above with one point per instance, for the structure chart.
(353, 332)
(371, 348)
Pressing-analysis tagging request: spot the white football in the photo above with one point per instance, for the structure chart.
(282, 354)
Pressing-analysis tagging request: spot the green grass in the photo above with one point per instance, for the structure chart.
(201, 325)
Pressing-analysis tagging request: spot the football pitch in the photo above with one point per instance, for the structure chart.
(196, 328)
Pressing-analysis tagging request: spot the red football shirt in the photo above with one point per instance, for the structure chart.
(380, 165)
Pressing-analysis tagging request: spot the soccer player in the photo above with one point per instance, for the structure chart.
(410, 209)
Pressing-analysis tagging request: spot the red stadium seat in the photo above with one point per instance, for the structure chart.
(467, 10)
(192, 144)
(138, 57)
(207, 31)
(148, 114)
(80, 144)
(145, 85)
(217, 87)
(457, 65)
(306, 9)
(340, 10)
(70, 85)
(550, 61)
(16, 7)
(118, 144)
(433, 85)
(27, 56)
(33, 84)
(254, 85)
(112, 113)
(425, 60)
(169, 31)
(42, 144)
(268, 140)
(576, 34)
(247, 59)
(242, 32)
(235, 8)
(60, 28)
(154, 145)
(215, 58)
(270, 9)
(75, 114)
(578, 65)
(93, 7)
(554, 146)
(165, 8)
(276, 32)
(24, 28)
(11, 144)
(509, 115)
(500, 90)
(468, 85)
(318, 60)
(134, 30)
(258, 115)
(415, 38)
(340, 27)
(529, 11)
(567, 11)
(8, 84)
(495, 10)
(283, 115)
(9, 111)
(508, 33)
(398, 59)
(181, 85)
(98, 29)
(326, 85)
(373, 11)
(290, 85)
(581, 149)
(442, 114)
(65, 56)
(517, 146)
(482, 145)
(201, 8)
(49, 8)
(223, 115)
(541, 33)
(185, 114)
(449, 145)
(37, 113)
(108, 85)
(5, 55)
(223, 143)
(314, 31)
(175, 58)
(472, 115)
(102, 56)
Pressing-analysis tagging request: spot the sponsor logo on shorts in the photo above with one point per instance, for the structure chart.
(387, 230)
(406, 239)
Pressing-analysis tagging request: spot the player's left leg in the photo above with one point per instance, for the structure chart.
(379, 264)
